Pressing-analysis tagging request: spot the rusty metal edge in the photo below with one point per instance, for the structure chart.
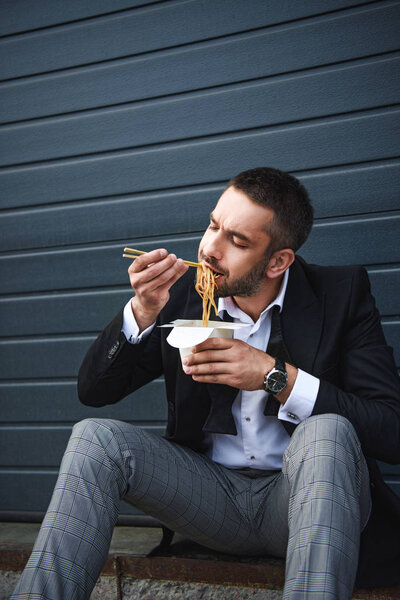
(14, 558)
(196, 570)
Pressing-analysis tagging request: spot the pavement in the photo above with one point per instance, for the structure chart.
(187, 571)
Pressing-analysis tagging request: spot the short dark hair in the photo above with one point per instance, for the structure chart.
(286, 196)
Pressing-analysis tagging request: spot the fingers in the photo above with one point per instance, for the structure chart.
(214, 343)
(223, 361)
(145, 269)
(221, 378)
(151, 275)
(143, 261)
(212, 357)
(208, 369)
(210, 353)
(156, 270)
(167, 279)
(207, 356)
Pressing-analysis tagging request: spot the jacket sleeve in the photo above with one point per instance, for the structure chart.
(113, 368)
(369, 391)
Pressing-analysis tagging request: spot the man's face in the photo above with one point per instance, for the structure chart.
(235, 244)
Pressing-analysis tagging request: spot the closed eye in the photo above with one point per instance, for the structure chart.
(238, 245)
(214, 227)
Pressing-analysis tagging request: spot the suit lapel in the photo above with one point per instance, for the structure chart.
(302, 318)
(301, 324)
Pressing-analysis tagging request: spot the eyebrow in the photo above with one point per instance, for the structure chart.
(232, 232)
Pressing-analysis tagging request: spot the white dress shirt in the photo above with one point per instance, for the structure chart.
(261, 440)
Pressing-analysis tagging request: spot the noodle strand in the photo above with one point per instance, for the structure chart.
(205, 285)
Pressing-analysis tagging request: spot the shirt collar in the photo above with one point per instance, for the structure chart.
(235, 312)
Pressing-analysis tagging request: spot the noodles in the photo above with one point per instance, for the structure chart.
(205, 285)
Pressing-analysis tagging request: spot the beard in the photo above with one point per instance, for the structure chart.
(246, 285)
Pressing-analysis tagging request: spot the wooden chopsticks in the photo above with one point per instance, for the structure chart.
(131, 252)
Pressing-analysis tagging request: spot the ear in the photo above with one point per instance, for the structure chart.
(279, 262)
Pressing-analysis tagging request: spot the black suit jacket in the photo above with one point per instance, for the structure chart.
(332, 330)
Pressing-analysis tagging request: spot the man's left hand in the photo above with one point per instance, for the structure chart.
(228, 361)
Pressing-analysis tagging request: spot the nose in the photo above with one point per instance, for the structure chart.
(212, 247)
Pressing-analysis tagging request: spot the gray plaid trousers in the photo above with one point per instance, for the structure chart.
(312, 511)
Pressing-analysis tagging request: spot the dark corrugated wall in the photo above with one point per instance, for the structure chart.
(121, 120)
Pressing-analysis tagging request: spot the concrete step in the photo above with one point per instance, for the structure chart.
(187, 571)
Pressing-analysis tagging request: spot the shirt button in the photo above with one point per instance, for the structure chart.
(252, 457)
(251, 335)
(248, 419)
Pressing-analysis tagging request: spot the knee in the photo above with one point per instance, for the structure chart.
(325, 436)
(90, 428)
(95, 454)
(94, 432)
(326, 427)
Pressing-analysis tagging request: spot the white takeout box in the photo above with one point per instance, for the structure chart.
(188, 333)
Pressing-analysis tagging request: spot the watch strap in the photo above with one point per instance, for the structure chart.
(280, 365)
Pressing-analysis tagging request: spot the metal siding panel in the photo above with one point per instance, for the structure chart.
(56, 401)
(41, 446)
(387, 469)
(21, 15)
(115, 218)
(24, 489)
(385, 284)
(290, 48)
(43, 358)
(70, 312)
(334, 192)
(356, 189)
(338, 89)
(365, 137)
(81, 265)
(61, 313)
(367, 241)
(139, 31)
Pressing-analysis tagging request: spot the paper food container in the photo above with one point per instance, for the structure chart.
(188, 333)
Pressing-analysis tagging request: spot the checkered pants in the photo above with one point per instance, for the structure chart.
(312, 511)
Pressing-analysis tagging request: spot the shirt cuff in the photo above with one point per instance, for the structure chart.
(130, 328)
(300, 403)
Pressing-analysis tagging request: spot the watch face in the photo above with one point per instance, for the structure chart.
(277, 382)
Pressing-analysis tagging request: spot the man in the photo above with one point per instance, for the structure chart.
(269, 434)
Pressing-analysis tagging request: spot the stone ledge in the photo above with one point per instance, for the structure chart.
(186, 562)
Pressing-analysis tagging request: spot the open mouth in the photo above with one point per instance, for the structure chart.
(217, 274)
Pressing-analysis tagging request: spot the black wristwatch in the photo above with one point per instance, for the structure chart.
(275, 380)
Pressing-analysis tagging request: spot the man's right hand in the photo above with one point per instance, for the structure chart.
(151, 276)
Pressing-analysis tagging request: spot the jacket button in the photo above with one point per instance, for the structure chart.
(113, 349)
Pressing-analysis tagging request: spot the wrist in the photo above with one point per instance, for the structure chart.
(276, 379)
(268, 363)
(143, 318)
